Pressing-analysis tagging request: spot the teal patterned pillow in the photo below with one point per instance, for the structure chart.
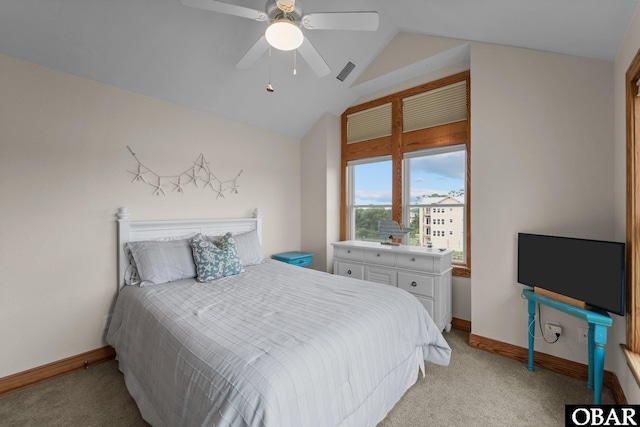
(215, 259)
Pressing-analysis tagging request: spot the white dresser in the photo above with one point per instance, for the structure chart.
(426, 273)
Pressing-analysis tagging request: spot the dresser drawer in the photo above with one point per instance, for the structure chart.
(387, 276)
(415, 262)
(351, 270)
(428, 304)
(419, 284)
(352, 254)
(424, 273)
(380, 258)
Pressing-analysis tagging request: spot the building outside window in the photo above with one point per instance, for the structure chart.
(436, 177)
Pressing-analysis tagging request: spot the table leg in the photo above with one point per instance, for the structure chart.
(597, 337)
(590, 341)
(532, 331)
(600, 338)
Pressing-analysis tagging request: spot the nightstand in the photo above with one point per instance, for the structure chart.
(301, 259)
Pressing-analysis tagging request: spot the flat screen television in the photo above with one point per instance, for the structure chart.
(592, 271)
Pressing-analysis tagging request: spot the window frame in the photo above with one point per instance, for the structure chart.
(351, 188)
(398, 143)
(632, 348)
(439, 207)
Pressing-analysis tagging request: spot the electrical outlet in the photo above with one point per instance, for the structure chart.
(106, 319)
(552, 329)
(583, 335)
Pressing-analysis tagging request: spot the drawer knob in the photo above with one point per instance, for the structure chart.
(348, 251)
(378, 255)
(414, 284)
(348, 271)
(413, 259)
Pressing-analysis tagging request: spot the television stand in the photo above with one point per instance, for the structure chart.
(598, 321)
(562, 298)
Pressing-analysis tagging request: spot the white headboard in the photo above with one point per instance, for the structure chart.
(132, 231)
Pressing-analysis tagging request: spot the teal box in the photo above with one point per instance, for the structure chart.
(301, 259)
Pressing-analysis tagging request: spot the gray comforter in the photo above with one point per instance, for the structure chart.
(275, 346)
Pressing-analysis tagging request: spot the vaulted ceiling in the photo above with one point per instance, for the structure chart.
(187, 56)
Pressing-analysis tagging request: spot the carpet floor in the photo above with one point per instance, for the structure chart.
(477, 388)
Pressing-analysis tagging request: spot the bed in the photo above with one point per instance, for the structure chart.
(275, 345)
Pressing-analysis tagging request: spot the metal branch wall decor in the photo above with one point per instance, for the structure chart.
(198, 172)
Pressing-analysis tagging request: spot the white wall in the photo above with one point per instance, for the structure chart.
(542, 129)
(628, 50)
(541, 161)
(320, 190)
(63, 175)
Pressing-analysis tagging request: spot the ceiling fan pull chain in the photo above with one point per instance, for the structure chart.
(294, 63)
(269, 87)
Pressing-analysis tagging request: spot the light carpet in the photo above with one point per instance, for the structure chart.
(477, 388)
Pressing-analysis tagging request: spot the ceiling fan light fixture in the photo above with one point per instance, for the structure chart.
(284, 35)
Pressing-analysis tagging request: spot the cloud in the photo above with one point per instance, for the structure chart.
(364, 197)
(449, 165)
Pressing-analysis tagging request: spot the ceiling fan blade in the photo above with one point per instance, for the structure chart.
(358, 21)
(253, 54)
(313, 58)
(226, 8)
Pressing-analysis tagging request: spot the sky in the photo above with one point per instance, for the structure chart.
(437, 173)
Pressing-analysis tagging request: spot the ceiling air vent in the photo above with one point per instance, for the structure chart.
(346, 71)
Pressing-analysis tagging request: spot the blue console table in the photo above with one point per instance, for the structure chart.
(598, 321)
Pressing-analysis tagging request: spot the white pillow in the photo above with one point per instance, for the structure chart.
(248, 247)
(151, 274)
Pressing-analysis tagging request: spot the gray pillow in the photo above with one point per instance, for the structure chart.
(248, 247)
(162, 261)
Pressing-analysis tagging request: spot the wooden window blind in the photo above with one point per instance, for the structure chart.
(436, 107)
(369, 124)
(432, 115)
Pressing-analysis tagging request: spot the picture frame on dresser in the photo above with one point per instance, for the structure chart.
(423, 272)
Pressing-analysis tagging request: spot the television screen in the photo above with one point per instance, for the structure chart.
(587, 270)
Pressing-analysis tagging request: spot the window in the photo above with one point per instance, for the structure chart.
(369, 197)
(436, 177)
(397, 152)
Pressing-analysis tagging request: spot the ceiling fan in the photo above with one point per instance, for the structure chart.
(285, 19)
